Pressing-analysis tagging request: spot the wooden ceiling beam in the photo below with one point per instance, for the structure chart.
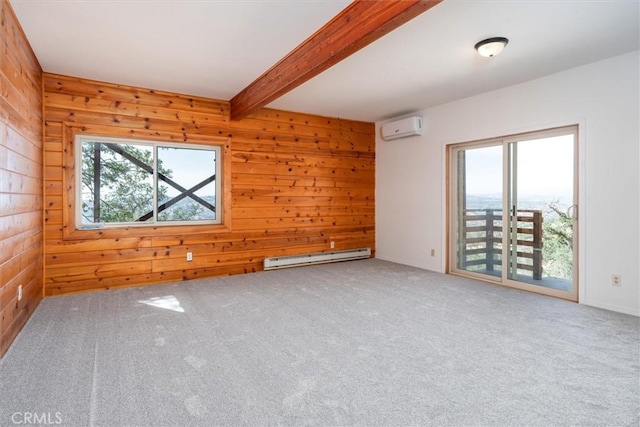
(356, 26)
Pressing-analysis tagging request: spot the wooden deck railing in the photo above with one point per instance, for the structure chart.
(481, 240)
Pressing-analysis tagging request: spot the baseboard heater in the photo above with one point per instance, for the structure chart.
(316, 258)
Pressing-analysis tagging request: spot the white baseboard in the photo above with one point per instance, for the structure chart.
(611, 307)
(402, 262)
(591, 303)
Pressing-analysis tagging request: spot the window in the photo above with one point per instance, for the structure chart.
(130, 182)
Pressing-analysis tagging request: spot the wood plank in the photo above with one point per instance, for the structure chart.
(301, 130)
(15, 224)
(228, 240)
(349, 171)
(146, 134)
(260, 202)
(301, 212)
(15, 204)
(56, 83)
(53, 188)
(14, 182)
(359, 24)
(52, 216)
(295, 191)
(14, 316)
(132, 122)
(62, 101)
(21, 161)
(107, 256)
(351, 126)
(115, 269)
(88, 245)
(292, 223)
(29, 126)
(152, 278)
(294, 159)
(248, 181)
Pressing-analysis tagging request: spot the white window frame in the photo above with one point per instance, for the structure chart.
(219, 199)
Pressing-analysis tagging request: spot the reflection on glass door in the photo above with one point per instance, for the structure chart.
(529, 180)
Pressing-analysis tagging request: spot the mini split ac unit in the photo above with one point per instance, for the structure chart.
(402, 128)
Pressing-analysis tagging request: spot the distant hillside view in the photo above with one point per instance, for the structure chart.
(188, 209)
(493, 201)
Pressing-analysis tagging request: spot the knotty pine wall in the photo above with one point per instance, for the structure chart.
(293, 183)
(21, 198)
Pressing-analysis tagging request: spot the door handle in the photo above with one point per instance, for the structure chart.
(572, 212)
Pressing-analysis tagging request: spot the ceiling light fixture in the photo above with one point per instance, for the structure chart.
(491, 47)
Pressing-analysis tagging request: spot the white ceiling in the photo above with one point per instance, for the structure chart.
(215, 48)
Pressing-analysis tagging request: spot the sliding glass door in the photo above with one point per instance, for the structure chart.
(513, 211)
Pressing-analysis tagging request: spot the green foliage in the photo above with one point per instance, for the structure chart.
(126, 189)
(557, 249)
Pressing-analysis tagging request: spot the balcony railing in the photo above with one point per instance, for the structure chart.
(480, 241)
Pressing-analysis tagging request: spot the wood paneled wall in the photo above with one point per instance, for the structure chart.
(293, 183)
(21, 194)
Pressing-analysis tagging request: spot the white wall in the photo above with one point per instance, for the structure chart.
(603, 98)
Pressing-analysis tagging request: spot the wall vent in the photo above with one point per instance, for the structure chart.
(315, 258)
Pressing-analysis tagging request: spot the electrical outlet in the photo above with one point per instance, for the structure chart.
(616, 280)
(189, 256)
(433, 252)
(19, 292)
(333, 244)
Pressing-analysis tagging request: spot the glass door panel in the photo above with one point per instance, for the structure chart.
(479, 210)
(542, 208)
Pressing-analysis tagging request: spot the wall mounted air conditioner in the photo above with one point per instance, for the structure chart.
(402, 128)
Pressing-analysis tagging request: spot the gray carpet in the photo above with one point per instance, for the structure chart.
(356, 343)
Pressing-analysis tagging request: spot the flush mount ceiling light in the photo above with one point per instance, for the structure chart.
(491, 47)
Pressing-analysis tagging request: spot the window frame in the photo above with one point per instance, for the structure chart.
(220, 166)
(505, 142)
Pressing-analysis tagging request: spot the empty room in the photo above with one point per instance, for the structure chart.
(331, 212)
